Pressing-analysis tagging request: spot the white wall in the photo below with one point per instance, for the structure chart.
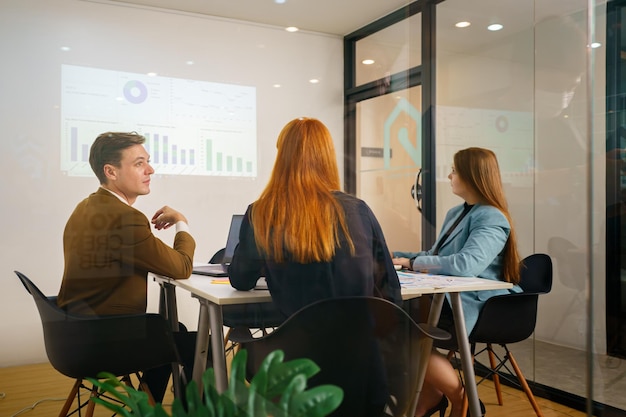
(38, 198)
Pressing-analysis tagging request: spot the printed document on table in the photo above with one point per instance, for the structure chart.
(409, 279)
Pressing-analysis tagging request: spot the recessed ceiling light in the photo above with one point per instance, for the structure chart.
(291, 29)
(151, 74)
(189, 62)
(462, 24)
(65, 48)
(314, 81)
(279, 1)
(276, 85)
(596, 45)
(368, 61)
(494, 27)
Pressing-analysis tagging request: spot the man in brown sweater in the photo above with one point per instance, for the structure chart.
(109, 247)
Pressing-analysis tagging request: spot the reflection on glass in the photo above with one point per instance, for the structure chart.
(389, 51)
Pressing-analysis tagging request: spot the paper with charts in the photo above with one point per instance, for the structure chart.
(410, 279)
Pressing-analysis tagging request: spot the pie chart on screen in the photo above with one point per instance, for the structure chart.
(135, 92)
(502, 123)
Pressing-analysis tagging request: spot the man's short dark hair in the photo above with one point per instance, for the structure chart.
(107, 149)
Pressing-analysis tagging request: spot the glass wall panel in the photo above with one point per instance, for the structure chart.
(534, 90)
(389, 51)
(522, 91)
(608, 380)
(562, 195)
(485, 98)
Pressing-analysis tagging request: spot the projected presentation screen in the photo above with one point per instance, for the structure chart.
(191, 127)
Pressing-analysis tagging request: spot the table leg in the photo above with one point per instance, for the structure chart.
(169, 309)
(217, 345)
(467, 362)
(425, 347)
(202, 344)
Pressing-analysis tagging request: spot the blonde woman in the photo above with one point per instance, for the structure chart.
(477, 239)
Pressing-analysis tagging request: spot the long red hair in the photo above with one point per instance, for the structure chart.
(297, 213)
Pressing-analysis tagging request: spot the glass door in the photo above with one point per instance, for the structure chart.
(389, 149)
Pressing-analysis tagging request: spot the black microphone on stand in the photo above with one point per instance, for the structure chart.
(416, 191)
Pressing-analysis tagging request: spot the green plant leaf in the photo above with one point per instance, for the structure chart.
(238, 391)
(316, 402)
(194, 400)
(178, 409)
(281, 374)
(254, 402)
(277, 390)
(238, 367)
(134, 400)
(159, 411)
(260, 380)
(296, 385)
(117, 409)
(275, 357)
(258, 398)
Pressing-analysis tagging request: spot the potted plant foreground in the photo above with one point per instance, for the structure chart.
(278, 389)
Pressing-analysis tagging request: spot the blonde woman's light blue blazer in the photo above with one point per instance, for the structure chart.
(473, 249)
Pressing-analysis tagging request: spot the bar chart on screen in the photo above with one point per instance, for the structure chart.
(191, 127)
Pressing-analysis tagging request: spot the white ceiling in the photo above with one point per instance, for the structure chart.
(336, 17)
(341, 17)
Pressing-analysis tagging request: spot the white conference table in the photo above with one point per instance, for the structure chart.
(212, 294)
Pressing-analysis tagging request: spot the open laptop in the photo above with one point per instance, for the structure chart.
(221, 269)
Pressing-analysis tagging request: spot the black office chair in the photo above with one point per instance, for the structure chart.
(511, 318)
(365, 345)
(245, 321)
(217, 256)
(83, 346)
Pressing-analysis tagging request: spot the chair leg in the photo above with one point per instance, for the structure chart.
(126, 380)
(145, 388)
(524, 384)
(495, 376)
(233, 346)
(227, 336)
(91, 405)
(70, 398)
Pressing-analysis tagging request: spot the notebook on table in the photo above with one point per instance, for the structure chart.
(221, 269)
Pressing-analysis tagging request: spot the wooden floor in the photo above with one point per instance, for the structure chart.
(39, 391)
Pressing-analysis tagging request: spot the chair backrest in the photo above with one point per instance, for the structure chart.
(217, 256)
(83, 346)
(365, 345)
(536, 274)
(505, 319)
(511, 318)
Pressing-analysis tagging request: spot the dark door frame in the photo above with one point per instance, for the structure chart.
(423, 75)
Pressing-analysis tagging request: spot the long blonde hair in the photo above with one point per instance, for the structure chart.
(297, 213)
(479, 169)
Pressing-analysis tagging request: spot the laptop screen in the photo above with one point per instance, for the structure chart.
(233, 238)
